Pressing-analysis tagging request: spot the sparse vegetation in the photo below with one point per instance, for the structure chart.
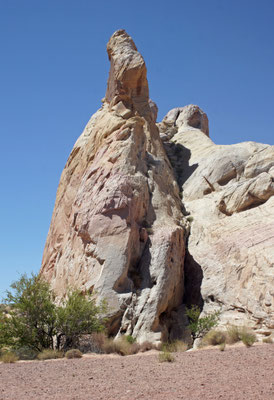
(173, 347)
(25, 353)
(268, 340)
(214, 338)
(37, 323)
(233, 334)
(222, 346)
(73, 353)
(166, 356)
(130, 339)
(49, 354)
(9, 357)
(120, 346)
(248, 337)
(200, 326)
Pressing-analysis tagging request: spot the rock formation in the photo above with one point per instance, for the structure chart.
(117, 227)
(154, 216)
(228, 192)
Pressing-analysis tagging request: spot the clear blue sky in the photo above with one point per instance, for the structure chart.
(218, 54)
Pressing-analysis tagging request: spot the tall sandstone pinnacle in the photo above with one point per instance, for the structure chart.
(117, 227)
(153, 216)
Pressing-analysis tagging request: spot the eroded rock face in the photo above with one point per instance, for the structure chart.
(228, 192)
(117, 227)
(128, 195)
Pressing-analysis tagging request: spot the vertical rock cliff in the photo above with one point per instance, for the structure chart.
(117, 228)
(154, 216)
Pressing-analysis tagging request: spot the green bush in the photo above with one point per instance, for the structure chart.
(130, 339)
(49, 354)
(73, 353)
(200, 326)
(9, 357)
(36, 322)
(166, 356)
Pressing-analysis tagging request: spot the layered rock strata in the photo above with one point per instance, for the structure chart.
(227, 190)
(117, 228)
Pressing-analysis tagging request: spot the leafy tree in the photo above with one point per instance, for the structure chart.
(32, 315)
(78, 315)
(36, 322)
(200, 326)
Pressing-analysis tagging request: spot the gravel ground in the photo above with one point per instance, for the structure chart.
(237, 373)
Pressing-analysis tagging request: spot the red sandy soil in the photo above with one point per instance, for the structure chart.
(236, 373)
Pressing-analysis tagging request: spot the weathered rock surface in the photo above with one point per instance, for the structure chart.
(228, 192)
(127, 197)
(117, 227)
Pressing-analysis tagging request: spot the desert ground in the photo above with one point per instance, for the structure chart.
(236, 373)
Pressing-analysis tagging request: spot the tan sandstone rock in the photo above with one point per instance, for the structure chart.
(133, 191)
(117, 228)
(228, 191)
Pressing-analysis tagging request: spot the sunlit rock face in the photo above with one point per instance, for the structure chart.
(153, 217)
(117, 228)
(228, 193)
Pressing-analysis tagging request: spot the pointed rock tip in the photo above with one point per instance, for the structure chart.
(119, 39)
(127, 83)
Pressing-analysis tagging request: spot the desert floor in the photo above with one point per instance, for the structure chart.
(236, 373)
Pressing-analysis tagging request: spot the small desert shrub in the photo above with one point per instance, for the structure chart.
(248, 337)
(173, 347)
(130, 339)
(233, 334)
(222, 346)
(214, 338)
(73, 353)
(166, 356)
(49, 354)
(9, 357)
(124, 348)
(268, 340)
(97, 342)
(146, 346)
(120, 346)
(199, 326)
(25, 353)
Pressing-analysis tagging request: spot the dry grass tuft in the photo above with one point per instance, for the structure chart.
(49, 354)
(248, 337)
(233, 334)
(166, 356)
(268, 340)
(174, 347)
(73, 353)
(120, 346)
(9, 357)
(214, 338)
(222, 346)
(146, 346)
